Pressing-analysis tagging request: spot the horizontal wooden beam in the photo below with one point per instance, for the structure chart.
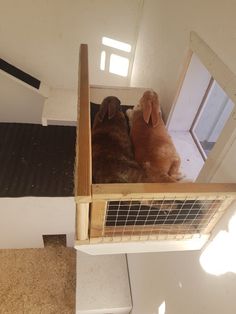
(151, 190)
(177, 229)
(134, 245)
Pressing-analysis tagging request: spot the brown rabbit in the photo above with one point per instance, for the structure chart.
(153, 146)
(113, 158)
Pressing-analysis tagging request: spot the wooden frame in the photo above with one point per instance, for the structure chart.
(101, 193)
(197, 118)
(150, 190)
(220, 72)
(94, 197)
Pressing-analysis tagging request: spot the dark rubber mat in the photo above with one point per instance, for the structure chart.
(36, 160)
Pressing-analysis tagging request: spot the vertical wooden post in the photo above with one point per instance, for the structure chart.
(83, 171)
(98, 219)
(82, 221)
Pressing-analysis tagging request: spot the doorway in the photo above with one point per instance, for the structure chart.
(202, 121)
(211, 118)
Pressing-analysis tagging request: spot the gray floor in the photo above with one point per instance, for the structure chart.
(207, 146)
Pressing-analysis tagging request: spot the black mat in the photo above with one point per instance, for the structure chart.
(36, 160)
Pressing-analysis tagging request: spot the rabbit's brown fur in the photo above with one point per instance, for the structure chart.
(113, 158)
(153, 146)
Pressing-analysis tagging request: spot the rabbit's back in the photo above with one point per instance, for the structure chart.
(113, 157)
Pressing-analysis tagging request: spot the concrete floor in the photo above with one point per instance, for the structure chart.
(34, 281)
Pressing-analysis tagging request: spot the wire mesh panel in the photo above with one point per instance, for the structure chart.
(163, 218)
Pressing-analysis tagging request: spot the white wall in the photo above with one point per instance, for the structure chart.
(226, 173)
(179, 280)
(162, 48)
(190, 97)
(164, 36)
(43, 37)
(19, 103)
(24, 220)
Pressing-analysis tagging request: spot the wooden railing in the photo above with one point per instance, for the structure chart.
(149, 190)
(207, 202)
(99, 195)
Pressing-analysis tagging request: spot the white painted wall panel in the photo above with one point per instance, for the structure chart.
(60, 108)
(23, 220)
(178, 279)
(43, 37)
(192, 92)
(164, 40)
(19, 103)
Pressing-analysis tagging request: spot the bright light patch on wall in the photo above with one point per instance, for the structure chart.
(232, 232)
(232, 226)
(119, 65)
(219, 257)
(103, 60)
(116, 44)
(214, 258)
(162, 308)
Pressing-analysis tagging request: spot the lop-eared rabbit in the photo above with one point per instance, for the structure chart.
(153, 146)
(112, 152)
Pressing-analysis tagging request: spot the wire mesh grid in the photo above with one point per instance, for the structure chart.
(161, 218)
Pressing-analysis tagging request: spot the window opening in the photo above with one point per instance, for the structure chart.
(211, 118)
(115, 57)
(116, 44)
(119, 65)
(103, 60)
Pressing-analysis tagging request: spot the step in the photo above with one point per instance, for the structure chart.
(60, 108)
(102, 284)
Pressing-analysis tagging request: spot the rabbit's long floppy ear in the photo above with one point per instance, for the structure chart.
(151, 107)
(155, 115)
(113, 106)
(147, 110)
(110, 106)
(103, 109)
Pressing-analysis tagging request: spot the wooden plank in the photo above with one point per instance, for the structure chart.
(146, 238)
(177, 230)
(96, 247)
(83, 173)
(82, 221)
(154, 190)
(97, 218)
(218, 69)
(127, 95)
